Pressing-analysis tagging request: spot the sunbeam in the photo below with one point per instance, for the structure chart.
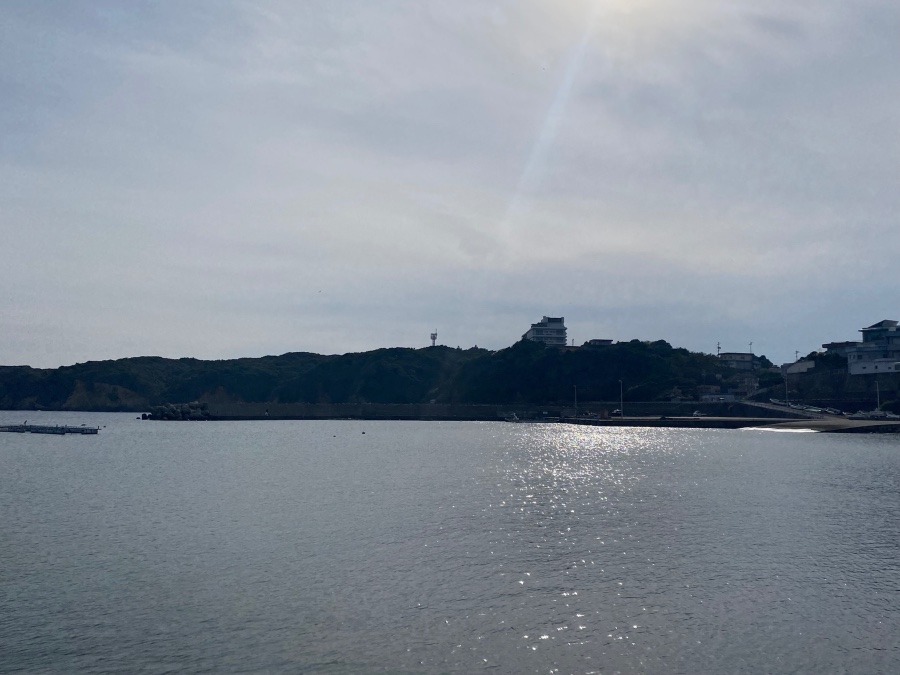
(533, 170)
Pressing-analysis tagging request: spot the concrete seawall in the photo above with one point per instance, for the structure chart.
(833, 425)
(361, 411)
(736, 416)
(444, 411)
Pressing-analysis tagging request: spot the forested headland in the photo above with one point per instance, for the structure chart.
(525, 373)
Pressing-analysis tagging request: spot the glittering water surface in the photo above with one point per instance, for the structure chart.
(446, 547)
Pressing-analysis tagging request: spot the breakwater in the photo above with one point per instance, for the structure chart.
(364, 411)
(459, 411)
(732, 415)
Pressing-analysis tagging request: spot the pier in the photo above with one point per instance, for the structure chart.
(44, 429)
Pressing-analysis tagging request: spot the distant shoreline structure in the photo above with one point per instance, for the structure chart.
(46, 429)
(649, 414)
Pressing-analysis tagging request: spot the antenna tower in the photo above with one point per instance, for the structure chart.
(433, 338)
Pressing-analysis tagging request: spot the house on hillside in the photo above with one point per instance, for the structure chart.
(879, 351)
(549, 330)
(737, 360)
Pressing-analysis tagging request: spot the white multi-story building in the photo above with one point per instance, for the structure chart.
(879, 351)
(549, 330)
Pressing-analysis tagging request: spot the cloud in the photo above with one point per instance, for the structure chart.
(237, 178)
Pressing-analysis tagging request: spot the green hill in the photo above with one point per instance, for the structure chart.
(135, 384)
(530, 373)
(526, 372)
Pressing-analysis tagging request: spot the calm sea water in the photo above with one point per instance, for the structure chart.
(404, 547)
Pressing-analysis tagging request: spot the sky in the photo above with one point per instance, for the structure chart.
(236, 178)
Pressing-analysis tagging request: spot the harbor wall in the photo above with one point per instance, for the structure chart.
(366, 411)
(438, 411)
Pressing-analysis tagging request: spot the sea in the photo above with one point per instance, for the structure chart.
(445, 547)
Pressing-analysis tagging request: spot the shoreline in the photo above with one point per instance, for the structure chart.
(821, 425)
(833, 425)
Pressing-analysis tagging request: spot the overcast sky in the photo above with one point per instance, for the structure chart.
(230, 178)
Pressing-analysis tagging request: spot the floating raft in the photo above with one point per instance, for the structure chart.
(41, 429)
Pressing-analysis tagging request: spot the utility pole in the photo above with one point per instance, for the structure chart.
(621, 401)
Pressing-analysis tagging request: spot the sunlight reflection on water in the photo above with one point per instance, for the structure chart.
(562, 490)
(565, 465)
(633, 539)
(448, 547)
